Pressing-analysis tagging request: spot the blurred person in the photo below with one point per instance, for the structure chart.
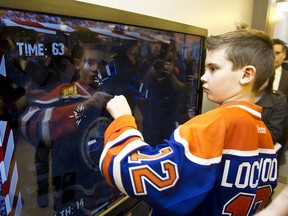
(189, 96)
(13, 99)
(70, 120)
(280, 83)
(13, 65)
(220, 162)
(126, 62)
(165, 78)
(281, 75)
(274, 109)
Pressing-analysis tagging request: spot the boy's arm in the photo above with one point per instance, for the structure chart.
(160, 175)
(51, 123)
(48, 124)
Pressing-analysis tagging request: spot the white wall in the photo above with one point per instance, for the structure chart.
(280, 25)
(217, 16)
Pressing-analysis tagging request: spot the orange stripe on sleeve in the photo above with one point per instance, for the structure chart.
(109, 157)
(118, 126)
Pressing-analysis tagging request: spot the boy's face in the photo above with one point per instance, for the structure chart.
(220, 83)
(90, 63)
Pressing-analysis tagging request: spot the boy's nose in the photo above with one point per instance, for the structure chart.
(203, 78)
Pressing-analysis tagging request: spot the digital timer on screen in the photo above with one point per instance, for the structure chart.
(39, 49)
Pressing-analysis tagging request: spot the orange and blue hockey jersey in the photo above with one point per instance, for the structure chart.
(219, 163)
(51, 117)
(60, 119)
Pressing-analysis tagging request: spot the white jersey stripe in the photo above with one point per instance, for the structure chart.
(215, 160)
(248, 153)
(192, 157)
(252, 111)
(117, 162)
(127, 133)
(25, 120)
(45, 126)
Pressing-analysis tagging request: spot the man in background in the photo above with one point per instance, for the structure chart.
(281, 77)
(281, 74)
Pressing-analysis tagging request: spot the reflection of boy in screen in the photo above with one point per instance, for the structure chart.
(59, 120)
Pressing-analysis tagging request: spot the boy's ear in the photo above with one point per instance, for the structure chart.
(248, 74)
(76, 63)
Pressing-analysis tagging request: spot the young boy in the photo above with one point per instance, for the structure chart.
(219, 163)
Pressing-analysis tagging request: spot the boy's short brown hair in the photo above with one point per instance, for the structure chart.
(247, 47)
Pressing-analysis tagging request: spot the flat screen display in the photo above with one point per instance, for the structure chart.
(55, 73)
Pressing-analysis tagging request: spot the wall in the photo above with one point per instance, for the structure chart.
(280, 25)
(217, 16)
(261, 15)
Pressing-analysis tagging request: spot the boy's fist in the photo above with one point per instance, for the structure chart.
(118, 106)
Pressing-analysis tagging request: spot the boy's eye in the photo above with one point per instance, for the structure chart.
(211, 68)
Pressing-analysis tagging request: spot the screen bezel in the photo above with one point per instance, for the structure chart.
(101, 13)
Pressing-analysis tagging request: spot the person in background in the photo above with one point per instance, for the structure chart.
(274, 109)
(13, 98)
(126, 61)
(281, 75)
(280, 83)
(165, 77)
(216, 163)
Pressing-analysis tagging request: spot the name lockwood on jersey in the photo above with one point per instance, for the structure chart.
(249, 175)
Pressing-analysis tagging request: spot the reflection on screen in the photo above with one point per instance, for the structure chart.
(55, 71)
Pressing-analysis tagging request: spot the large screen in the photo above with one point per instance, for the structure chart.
(56, 74)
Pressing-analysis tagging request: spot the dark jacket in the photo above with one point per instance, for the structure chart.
(274, 113)
(283, 85)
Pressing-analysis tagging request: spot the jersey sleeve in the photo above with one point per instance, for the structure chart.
(160, 175)
(48, 124)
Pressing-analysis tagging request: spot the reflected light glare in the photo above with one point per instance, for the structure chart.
(282, 6)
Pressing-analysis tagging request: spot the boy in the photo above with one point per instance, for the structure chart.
(57, 122)
(219, 163)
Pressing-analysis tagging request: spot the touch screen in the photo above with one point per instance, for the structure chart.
(55, 74)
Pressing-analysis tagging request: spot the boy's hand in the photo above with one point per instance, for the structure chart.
(118, 106)
(97, 102)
